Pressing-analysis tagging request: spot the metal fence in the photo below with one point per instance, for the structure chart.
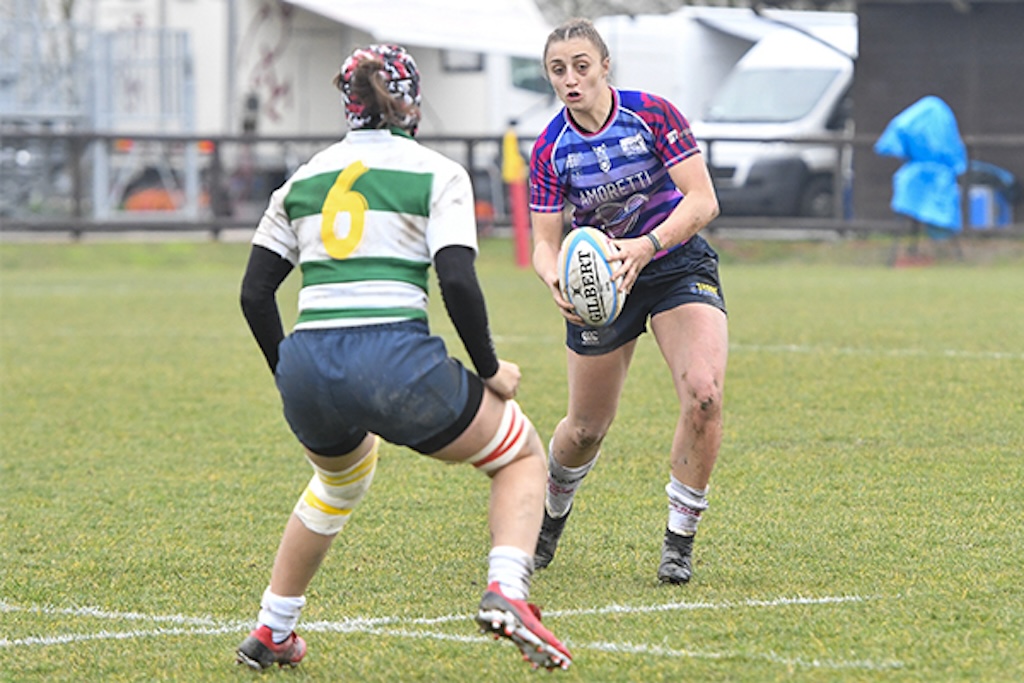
(81, 182)
(174, 182)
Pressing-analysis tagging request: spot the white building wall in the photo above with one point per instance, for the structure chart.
(287, 57)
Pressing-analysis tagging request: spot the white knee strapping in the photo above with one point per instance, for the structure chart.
(330, 497)
(507, 441)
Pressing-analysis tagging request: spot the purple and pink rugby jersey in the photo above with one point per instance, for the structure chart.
(617, 178)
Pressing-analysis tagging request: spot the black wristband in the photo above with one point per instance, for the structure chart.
(654, 240)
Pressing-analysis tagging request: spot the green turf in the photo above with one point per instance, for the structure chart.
(865, 521)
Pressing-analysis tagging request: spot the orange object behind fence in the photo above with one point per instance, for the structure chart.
(513, 173)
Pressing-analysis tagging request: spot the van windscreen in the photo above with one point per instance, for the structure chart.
(769, 95)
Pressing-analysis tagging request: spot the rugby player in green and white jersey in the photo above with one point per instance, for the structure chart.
(364, 220)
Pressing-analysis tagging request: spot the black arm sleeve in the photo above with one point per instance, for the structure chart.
(464, 301)
(263, 275)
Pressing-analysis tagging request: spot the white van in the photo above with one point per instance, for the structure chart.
(788, 86)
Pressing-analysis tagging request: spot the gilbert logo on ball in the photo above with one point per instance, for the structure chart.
(586, 276)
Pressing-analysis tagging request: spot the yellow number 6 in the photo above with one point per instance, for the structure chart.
(341, 200)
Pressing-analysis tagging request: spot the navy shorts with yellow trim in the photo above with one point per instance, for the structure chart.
(687, 274)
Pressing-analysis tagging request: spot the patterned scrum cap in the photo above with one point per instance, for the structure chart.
(400, 75)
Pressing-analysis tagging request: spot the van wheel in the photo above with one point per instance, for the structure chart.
(817, 200)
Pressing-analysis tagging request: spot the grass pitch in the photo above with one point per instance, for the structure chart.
(865, 519)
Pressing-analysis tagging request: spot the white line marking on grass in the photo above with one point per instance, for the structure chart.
(208, 626)
(356, 624)
(674, 606)
(120, 635)
(893, 353)
(104, 614)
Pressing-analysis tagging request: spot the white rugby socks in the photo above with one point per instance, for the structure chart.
(685, 505)
(511, 568)
(562, 484)
(280, 613)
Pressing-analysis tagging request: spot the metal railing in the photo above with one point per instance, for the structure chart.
(175, 182)
(48, 180)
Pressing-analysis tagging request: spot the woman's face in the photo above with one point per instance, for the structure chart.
(577, 73)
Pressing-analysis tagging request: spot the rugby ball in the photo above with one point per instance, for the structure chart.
(585, 274)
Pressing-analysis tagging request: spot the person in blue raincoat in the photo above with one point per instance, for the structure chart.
(926, 188)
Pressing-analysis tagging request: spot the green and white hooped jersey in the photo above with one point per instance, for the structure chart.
(362, 220)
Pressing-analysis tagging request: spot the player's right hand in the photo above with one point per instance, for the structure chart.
(505, 382)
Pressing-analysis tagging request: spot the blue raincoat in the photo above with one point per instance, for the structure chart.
(926, 188)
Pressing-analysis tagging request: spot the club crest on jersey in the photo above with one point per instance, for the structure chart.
(574, 165)
(633, 146)
(604, 162)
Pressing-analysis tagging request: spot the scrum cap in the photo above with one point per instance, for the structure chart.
(400, 75)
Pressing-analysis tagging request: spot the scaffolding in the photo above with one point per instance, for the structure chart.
(59, 76)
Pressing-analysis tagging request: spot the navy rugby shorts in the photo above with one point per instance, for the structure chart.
(394, 380)
(687, 274)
